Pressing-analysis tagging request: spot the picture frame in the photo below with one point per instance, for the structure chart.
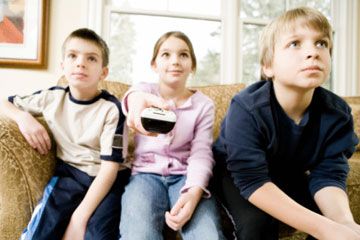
(24, 33)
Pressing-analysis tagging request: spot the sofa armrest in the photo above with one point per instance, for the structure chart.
(23, 175)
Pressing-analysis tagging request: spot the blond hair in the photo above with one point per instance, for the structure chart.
(311, 18)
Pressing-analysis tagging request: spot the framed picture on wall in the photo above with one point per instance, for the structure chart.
(23, 33)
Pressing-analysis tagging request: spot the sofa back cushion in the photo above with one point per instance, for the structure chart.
(221, 95)
(354, 103)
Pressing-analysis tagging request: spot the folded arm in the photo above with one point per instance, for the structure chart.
(95, 194)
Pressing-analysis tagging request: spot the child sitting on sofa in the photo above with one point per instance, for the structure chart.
(171, 171)
(81, 201)
(286, 140)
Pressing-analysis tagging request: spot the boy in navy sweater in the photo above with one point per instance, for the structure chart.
(285, 142)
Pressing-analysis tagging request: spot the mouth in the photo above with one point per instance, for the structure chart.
(175, 72)
(79, 75)
(313, 68)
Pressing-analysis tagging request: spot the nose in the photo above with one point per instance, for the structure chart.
(311, 52)
(174, 59)
(80, 61)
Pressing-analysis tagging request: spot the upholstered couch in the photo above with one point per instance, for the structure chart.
(24, 172)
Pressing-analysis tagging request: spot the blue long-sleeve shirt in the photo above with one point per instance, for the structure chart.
(260, 143)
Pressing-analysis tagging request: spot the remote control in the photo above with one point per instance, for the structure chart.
(158, 120)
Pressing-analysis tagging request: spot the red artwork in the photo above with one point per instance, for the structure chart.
(9, 32)
(12, 21)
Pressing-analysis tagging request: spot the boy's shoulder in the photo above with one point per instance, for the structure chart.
(109, 96)
(112, 99)
(255, 95)
(53, 90)
(329, 101)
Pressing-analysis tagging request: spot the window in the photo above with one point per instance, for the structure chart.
(224, 34)
(135, 25)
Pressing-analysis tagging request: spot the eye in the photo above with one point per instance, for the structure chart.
(322, 44)
(184, 55)
(165, 54)
(294, 44)
(92, 59)
(71, 55)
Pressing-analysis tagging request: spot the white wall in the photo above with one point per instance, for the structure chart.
(65, 16)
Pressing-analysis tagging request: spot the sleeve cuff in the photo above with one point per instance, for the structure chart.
(206, 194)
(124, 102)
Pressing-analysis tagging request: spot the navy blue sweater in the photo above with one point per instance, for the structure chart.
(260, 143)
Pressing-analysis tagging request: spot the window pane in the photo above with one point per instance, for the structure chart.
(250, 50)
(263, 9)
(132, 41)
(323, 6)
(207, 7)
(185, 6)
(140, 4)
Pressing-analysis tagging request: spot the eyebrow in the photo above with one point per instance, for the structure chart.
(320, 35)
(181, 50)
(86, 53)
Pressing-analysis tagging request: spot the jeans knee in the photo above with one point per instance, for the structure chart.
(140, 233)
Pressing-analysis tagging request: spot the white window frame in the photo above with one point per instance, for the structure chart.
(345, 24)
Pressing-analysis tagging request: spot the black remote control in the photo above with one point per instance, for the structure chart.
(158, 120)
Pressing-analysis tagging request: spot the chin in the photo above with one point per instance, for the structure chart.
(311, 82)
(175, 82)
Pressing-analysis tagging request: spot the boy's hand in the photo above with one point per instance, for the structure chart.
(76, 228)
(183, 208)
(354, 226)
(34, 133)
(138, 101)
(339, 231)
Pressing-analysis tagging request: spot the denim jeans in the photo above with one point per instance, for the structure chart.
(146, 199)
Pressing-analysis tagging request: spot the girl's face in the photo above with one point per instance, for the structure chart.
(173, 62)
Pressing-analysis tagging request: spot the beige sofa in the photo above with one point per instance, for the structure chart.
(24, 172)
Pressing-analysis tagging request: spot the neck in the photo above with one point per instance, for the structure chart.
(293, 101)
(177, 93)
(84, 95)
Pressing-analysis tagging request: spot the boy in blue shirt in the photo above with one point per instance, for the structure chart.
(285, 142)
(82, 199)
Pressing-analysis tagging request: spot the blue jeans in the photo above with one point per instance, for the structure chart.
(146, 199)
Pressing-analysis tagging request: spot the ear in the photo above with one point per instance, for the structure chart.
(268, 71)
(105, 72)
(154, 67)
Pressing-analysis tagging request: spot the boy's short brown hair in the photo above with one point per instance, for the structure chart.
(310, 18)
(91, 36)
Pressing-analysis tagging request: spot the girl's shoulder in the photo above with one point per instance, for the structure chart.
(146, 87)
(200, 98)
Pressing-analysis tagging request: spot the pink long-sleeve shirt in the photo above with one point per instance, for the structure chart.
(186, 150)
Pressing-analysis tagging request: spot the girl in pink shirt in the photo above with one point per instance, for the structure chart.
(171, 171)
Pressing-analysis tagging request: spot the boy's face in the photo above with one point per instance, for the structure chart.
(301, 59)
(82, 65)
